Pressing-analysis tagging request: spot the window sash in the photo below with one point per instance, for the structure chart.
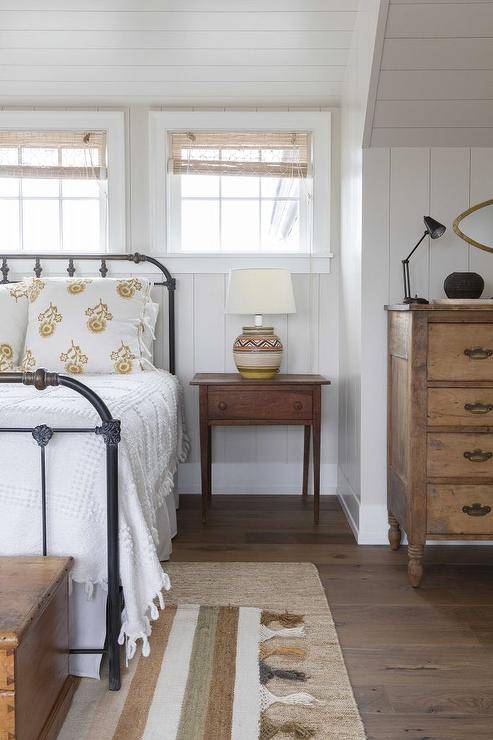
(59, 140)
(292, 160)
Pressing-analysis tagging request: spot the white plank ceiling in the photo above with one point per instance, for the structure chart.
(174, 52)
(435, 84)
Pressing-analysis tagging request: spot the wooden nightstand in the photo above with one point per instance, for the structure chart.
(226, 399)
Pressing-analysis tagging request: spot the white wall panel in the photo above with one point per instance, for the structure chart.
(409, 202)
(400, 186)
(449, 196)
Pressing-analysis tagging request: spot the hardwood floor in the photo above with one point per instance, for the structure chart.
(420, 661)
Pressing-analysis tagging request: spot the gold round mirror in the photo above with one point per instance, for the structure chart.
(476, 225)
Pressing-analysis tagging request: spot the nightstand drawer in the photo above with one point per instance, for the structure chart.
(460, 455)
(460, 509)
(259, 404)
(467, 407)
(460, 352)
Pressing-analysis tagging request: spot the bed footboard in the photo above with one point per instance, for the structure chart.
(109, 430)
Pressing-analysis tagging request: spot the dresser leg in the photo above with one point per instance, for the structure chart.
(395, 534)
(415, 565)
(316, 453)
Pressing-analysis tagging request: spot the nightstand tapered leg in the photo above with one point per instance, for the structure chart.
(209, 465)
(316, 453)
(205, 440)
(306, 461)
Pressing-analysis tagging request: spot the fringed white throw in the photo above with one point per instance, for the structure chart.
(150, 407)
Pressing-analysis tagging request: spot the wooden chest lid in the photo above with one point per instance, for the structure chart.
(26, 584)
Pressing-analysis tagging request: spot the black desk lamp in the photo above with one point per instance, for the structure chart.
(433, 229)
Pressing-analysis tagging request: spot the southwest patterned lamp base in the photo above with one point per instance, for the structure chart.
(257, 352)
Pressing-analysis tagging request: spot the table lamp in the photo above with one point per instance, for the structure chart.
(433, 229)
(258, 351)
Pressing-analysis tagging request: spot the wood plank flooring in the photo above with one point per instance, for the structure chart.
(420, 661)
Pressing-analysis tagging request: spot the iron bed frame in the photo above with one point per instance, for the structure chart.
(109, 430)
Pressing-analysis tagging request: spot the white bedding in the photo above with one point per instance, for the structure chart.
(149, 405)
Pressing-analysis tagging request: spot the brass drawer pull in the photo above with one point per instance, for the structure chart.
(478, 455)
(297, 405)
(222, 405)
(476, 510)
(478, 353)
(478, 407)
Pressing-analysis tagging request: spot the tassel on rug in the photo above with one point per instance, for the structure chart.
(286, 619)
(269, 729)
(267, 673)
(265, 633)
(265, 651)
(267, 698)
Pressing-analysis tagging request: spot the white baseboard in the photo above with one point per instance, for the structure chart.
(256, 478)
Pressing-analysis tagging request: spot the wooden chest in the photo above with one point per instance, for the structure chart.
(35, 688)
(440, 425)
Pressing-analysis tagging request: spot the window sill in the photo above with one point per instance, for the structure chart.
(214, 263)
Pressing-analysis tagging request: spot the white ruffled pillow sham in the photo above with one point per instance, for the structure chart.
(90, 325)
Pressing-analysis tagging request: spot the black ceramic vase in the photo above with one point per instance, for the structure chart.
(463, 285)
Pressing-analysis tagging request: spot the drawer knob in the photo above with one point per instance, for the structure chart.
(476, 510)
(478, 455)
(478, 407)
(478, 353)
(222, 405)
(297, 405)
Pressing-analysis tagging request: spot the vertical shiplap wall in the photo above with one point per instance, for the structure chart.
(257, 460)
(400, 186)
(263, 459)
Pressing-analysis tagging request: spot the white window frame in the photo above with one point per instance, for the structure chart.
(161, 123)
(113, 122)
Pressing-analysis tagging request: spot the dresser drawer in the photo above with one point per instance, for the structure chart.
(460, 352)
(460, 455)
(460, 509)
(256, 404)
(464, 407)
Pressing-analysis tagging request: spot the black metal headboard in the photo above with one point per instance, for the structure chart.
(169, 282)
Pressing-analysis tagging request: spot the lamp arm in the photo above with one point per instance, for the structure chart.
(415, 248)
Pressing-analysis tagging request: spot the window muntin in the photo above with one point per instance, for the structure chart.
(239, 192)
(53, 191)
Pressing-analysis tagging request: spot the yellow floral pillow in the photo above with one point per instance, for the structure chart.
(93, 325)
(13, 323)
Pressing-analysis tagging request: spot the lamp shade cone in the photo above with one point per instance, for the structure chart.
(434, 228)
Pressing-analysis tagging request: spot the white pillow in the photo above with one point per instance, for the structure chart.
(13, 324)
(91, 325)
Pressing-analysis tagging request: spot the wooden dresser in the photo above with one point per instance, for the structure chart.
(35, 688)
(440, 425)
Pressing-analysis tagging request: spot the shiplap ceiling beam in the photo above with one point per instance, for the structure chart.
(436, 77)
(174, 52)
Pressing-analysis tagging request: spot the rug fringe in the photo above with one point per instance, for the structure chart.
(266, 633)
(267, 699)
(269, 729)
(267, 673)
(265, 651)
(286, 619)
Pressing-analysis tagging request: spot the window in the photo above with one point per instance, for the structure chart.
(55, 188)
(239, 188)
(239, 192)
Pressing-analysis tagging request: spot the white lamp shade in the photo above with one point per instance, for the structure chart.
(260, 291)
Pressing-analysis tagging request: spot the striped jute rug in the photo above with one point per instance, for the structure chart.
(243, 651)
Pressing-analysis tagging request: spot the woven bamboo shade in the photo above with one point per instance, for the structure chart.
(254, 153)
(76, 155)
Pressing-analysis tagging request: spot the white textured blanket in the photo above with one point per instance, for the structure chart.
(149, 406)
